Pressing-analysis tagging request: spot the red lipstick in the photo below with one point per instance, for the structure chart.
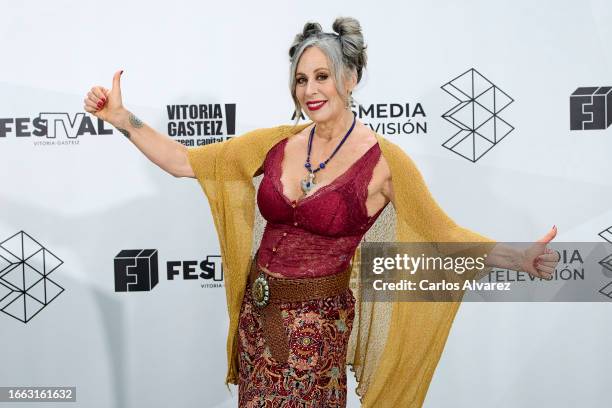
(315, 105)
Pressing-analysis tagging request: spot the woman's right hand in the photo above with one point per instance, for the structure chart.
(104, 104)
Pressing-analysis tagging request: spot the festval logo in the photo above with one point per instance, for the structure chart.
(209, 269)
(136, 270)
(52, 128)
(25, 286)
(591, 108)
(476, 115)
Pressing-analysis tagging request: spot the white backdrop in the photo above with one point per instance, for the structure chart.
(86, 201)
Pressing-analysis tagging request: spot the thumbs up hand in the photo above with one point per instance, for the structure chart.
(106, 104)
(540, 261)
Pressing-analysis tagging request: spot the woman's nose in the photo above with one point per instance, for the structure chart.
(311, 88)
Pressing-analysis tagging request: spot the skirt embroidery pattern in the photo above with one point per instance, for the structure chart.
(314, 374)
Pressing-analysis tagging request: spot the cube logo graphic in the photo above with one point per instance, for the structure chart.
(591, 108)
(136, 270)
(476, 115)
(25, 286)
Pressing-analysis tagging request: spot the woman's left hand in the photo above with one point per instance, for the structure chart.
(540, 261)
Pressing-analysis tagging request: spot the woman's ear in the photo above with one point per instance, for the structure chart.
(352, 80)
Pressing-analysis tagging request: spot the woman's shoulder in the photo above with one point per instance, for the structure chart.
(272, 133)
(264, 131)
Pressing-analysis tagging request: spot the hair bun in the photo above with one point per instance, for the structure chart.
(351, 40)
(346, 26)
(310, 28)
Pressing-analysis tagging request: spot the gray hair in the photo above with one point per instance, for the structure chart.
(345, 52)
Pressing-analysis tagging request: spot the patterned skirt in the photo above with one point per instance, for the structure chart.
(314, 374)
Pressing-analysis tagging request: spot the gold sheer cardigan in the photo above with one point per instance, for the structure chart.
(394, 346)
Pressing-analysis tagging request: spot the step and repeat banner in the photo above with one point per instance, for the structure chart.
(505, 106)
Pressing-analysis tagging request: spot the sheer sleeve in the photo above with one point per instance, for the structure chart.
(203, 159)
(421, 219)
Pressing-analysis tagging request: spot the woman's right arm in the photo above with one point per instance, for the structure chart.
(162, 150)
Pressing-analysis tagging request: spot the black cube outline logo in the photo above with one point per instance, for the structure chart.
(136, 270)
(591, 108)
(25, 286)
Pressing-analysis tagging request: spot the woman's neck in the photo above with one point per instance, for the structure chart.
(334, 129)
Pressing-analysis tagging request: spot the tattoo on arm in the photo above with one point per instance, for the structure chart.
(134, 121)
(125, 132)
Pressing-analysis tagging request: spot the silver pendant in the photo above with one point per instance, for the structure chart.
(307, 183)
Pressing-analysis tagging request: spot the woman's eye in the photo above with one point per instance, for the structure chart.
(303, 80)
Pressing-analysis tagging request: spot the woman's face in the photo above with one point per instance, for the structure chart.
(315, 87)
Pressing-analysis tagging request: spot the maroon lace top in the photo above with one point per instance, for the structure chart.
(316, 235)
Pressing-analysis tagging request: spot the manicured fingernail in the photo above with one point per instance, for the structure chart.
(121, 72)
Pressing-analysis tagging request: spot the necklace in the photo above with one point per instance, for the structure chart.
(309, 180)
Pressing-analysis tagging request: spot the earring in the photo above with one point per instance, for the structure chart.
(349, 100)
(296, 114)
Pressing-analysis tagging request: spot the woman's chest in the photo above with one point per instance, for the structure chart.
(338, 208)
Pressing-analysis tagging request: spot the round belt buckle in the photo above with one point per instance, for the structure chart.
(260, 291)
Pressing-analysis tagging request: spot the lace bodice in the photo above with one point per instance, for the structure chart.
(318, 234)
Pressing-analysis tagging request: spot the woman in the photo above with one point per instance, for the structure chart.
(294, 321)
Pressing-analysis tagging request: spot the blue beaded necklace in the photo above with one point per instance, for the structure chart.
(309, 181)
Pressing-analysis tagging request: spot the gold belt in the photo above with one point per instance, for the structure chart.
(268, 292)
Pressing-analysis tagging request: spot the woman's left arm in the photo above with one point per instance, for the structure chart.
(537, 260)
